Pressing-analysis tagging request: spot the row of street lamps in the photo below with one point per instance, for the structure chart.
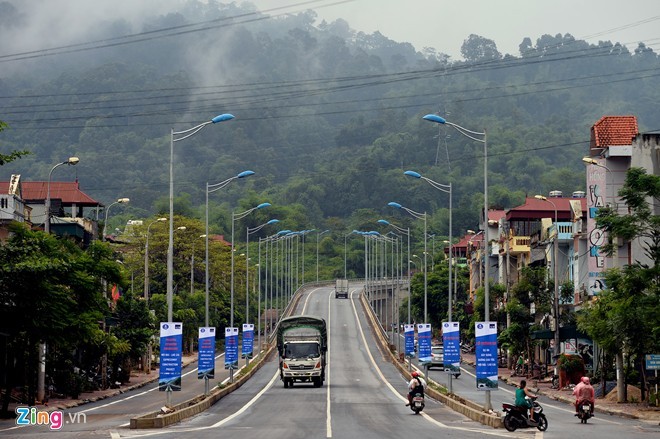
(176, 136)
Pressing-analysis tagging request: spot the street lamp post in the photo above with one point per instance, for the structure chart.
(318, 236)
(346, 236)
(210, 188)
(177, 136)
(107, 210)
(407, 233)
(71, 161)
(248, 232)
(192, 265)
(147, 359)
(146, 258)
(555, 270)
(234, 217)
(446, 188)
(421, 216)
(480, 137)
(41, 375)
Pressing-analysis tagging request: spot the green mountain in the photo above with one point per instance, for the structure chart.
(327, 117)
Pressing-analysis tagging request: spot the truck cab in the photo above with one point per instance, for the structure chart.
(302, 345)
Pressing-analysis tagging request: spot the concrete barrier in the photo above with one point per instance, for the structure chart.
(200, 403)
(467, 408)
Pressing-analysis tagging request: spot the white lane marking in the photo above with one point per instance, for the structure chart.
(400, 397)
(138, 394)
(328, 413)
(219, 423)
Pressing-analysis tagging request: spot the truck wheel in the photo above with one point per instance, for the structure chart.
(316, 381)
(286, 383)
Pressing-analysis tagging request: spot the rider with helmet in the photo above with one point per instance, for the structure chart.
(584, 392)
(416, 385)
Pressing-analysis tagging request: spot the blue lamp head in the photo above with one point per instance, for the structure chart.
(273, 221)
(393, 204)
(373, 233)
(384, 222)
(245, 174)
(262, 205)
(222, 118)
(413, 174)
(434, 118)
(283, 232)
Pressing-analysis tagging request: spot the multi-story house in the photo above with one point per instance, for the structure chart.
(73, 213)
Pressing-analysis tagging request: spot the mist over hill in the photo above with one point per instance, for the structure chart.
(327, 117)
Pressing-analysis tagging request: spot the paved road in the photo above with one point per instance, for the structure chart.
(362, 397)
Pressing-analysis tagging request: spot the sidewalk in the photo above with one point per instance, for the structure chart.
(138, 379)
(603, 405)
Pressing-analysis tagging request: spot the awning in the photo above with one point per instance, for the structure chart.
(565, 333)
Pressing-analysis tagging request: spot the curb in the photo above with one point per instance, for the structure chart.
(466, 407)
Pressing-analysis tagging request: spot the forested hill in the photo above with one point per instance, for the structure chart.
(327, 117)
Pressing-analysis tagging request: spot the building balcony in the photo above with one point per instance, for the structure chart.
(519, 244)
(565, 230)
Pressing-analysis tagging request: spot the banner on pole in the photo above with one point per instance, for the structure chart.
(451, 337)
(409, 339)
(206, 355)
(424, 342)
(171, 343)
(231, 348)
(486, 353)
(248, 340)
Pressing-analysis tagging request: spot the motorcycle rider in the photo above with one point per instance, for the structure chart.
(416, 385)
(584, 391)
(521, 401)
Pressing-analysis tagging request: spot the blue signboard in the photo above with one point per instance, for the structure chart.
(206, 356)
(409, 339)
(424, 342)
(652, 361)
(486, 353)
(451, 337)
(231, 348)
(171, 341)
(248, 340)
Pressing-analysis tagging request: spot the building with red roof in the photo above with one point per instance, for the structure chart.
(72, 212)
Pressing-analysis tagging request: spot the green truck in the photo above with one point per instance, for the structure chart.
(302, 343)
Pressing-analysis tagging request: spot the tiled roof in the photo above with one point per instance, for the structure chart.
(67, 191)
(614, 131)
(535, 209)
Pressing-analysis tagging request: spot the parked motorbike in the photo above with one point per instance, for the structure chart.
(584, 411)
(516, 417)
(417, 403)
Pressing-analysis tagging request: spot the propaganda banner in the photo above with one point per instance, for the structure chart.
(171, 343)
(206, 354)
(231, 348)
(486, 353)
(451, 337)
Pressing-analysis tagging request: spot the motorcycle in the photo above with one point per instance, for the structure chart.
(516, 417)
(584, 411)
(417, 403)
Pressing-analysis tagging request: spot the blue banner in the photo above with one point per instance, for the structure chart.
(486, 353)
(171, 342)
(451, 337)
(231, 348)
(206, 355)
(248, 340)
(424, 342)
(409, 340)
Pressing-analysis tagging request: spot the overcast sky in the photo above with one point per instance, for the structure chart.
(441, 24)
(445, 24)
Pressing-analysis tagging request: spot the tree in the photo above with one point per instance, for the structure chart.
(51, 292)
(477, 48)
(630, 306)
(14, 155)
